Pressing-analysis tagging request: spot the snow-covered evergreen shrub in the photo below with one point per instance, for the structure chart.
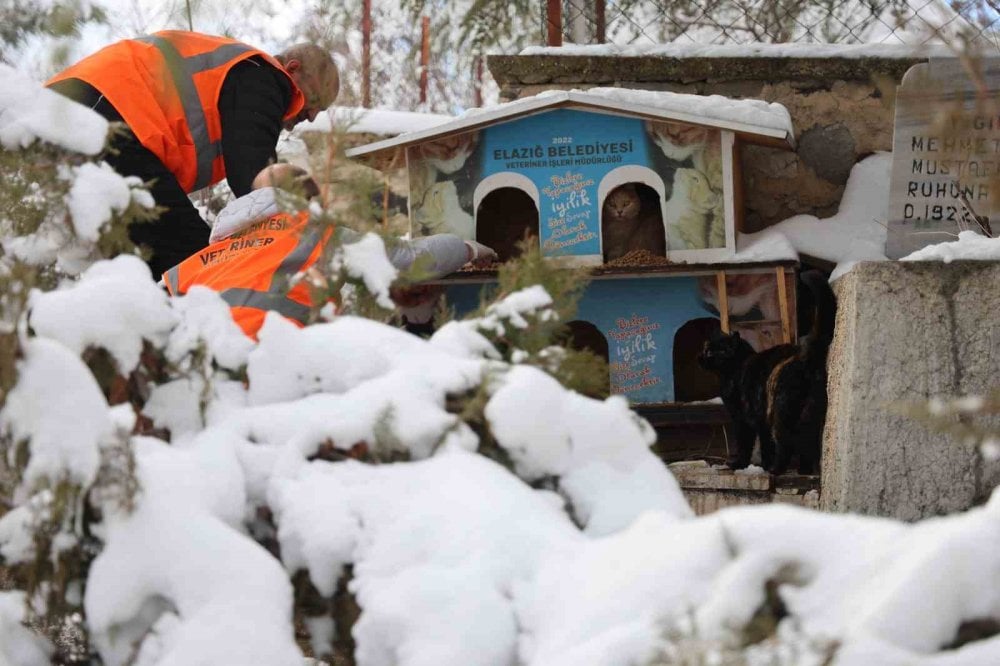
(189, 497)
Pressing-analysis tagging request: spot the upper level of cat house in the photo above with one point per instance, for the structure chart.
(597, 176)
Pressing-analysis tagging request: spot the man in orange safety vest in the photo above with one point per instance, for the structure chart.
(198, 108)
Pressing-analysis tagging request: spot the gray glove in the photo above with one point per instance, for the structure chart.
(479, 253)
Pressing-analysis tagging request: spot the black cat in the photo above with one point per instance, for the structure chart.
(779, 394)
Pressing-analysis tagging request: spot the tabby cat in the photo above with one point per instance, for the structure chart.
(628, 223)
(779, 394)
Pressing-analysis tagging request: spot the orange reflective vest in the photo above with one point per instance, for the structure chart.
(251, 269)
(166, 86)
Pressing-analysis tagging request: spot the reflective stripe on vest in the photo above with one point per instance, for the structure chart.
(274, 298)
(266, 300)
(173, 279)
(296, 259)
(182, 71)
(182, 277)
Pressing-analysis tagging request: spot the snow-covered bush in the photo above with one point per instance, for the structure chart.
(174, 493)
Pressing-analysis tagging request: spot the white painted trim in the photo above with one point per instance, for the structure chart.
(629, 173)
(530, 105)
(717, 254)
(505, 179)
(728, 196)
(409, 193)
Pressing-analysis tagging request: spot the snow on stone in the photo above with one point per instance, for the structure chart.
(114, 305)
(970, 245)
(681, 49)
(766, 245)
(366, 260)
(549, 431)
(383, 122)
(856, 233)
(18, 645)
(58, 407)
(98, 191)
(180, 568)
(29, 112)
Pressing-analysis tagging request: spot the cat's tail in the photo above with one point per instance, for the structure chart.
(816, 345)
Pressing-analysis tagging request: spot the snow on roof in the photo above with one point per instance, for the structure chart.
(383, 122)
(767, 121)
(692, 50)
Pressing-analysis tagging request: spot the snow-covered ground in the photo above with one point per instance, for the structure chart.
(581, 551)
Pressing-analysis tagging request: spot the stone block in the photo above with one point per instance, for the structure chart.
(908, 331)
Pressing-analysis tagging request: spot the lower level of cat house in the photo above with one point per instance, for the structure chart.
(650, 321)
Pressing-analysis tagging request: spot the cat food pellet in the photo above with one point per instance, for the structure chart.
(637, 259)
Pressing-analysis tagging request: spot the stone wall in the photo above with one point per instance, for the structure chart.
(907, 331)
(838, 110)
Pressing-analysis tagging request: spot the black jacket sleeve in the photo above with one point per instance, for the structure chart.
(252, 103)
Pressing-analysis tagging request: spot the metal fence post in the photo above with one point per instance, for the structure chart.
(366, 54)
(425, 55)
(553, 15)
(600, 27)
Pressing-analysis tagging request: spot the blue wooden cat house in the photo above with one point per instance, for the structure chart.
(581, 173)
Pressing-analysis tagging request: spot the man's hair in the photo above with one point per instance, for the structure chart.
(317, 63)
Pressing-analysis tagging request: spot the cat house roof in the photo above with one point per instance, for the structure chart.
(753, 121)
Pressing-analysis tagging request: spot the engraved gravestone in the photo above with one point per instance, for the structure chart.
(945, 154)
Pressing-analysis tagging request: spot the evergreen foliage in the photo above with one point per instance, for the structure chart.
(64, 515)
(21, 19)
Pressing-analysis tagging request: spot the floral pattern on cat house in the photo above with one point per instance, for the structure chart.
(590, 175)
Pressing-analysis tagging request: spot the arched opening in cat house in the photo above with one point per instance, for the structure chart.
(691, 381)
(506, 212)
(584, 335)
(631, 213)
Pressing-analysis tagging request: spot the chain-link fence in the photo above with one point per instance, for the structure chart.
(642, 22)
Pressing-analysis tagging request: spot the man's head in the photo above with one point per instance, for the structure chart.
(316, 75)
(287, 177)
